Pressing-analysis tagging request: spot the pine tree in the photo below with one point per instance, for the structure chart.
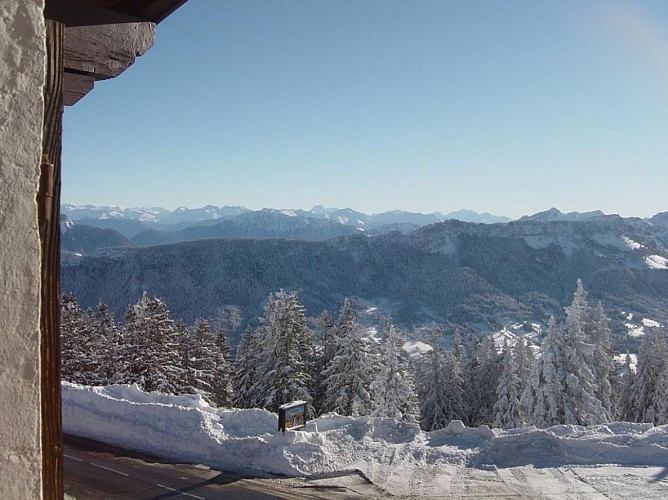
(323, 355)
(394, 386)
(349, 375)
(555, 393)
(286, 371)
(545, 399)
(112, 361)
(80, 344)
(524, 359)
(432, 384)
(662, 398)
(70, 323)
(646, 404)
(459, 387)
(202, 360)
(185, 345)
(603, 364)
(153, 357)
(507, 409)
(222, 390)
(580, 359)
(455, 408)
(485, 369)
(625, 399)
(245, 368)
(458, 348)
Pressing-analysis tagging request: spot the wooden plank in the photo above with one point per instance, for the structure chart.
(49, 215)
(105, 51)
(76, 86)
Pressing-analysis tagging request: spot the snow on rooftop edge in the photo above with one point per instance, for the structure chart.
(187, 429)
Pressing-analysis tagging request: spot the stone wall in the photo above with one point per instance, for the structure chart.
(22, 63)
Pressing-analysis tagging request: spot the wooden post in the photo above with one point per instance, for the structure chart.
(48, 200)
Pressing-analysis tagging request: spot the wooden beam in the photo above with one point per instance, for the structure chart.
(48, 200)
(75, 86)
(106, 50)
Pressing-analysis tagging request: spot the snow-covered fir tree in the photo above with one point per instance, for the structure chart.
(602, 360)
(245, 368)
(524, 359)
(580, 360)
(455, 408)
(545, 401)
(286, 371)
(325, 346)
(221, 387)
(202, 360)
(646, 404)
(484, 371)
(81, 344)
(458, 348)
(625, 398)
(507, 409)
(431, 384)
(555, 393)
(185, 344)
(112, 361)
(152, 350)
(349, 374)
(394, 386)
(662, 398)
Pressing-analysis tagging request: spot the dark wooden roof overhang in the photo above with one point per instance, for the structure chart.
(104, 37)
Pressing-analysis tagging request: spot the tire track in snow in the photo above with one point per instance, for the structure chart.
(574, 487)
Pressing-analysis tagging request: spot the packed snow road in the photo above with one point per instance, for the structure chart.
(94, 470)
(618, 460)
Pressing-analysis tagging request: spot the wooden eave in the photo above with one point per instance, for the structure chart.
(89, 12)
(104, 37)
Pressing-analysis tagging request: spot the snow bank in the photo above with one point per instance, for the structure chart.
(390, 454)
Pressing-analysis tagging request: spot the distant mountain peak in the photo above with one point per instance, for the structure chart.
(466, 215)
(554, 214)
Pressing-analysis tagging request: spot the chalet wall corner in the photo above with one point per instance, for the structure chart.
(22, 75)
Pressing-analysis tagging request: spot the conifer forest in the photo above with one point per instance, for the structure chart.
(566, 375)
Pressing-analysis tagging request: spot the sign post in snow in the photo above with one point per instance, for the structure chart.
(292, 416)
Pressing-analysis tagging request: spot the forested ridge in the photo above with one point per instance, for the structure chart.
(474, 276)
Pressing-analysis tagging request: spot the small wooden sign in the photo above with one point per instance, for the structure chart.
(292, 416)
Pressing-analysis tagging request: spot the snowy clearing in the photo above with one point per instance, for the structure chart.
(618, 460)
(633, 245)
(651, 323)
(656, 262)
(634, 330)
(417, 348)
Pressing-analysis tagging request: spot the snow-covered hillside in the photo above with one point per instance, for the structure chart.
(617, 460)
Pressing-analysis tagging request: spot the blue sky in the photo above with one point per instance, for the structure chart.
(505, 107)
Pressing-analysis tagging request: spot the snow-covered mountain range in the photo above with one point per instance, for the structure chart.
(132, 221)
